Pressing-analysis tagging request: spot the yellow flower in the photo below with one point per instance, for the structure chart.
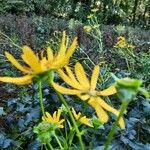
(82, 119)
(85, 89)
(87, 28)
(121, 38)
(35, 66)
(121, 42)
(55, 119)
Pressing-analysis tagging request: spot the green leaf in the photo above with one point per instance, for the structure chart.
(127, 88)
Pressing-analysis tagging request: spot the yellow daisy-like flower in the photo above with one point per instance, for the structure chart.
(82, 119)
(85, 89)
(35, 65)
(55, 119)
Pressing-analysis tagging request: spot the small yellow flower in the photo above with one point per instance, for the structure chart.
(82, 119)
(35, 65)
(87, 28)
(55, 119)
(85, 89)
(121, 38)
(122, 43)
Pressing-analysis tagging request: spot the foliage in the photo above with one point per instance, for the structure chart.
(39, 25)
(110, 11)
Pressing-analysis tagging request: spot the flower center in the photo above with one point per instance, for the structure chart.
(92, 92)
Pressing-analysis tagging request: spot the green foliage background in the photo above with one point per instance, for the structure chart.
(110, 11)
(39, 23)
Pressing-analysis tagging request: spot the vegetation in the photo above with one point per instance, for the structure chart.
(75, 75)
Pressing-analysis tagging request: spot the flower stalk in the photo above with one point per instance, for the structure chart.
(114, 127)
(72, 119)
(41, 98)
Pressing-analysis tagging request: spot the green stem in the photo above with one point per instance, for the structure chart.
(50, 146)
(41, 98)
(46, 147)
(92, 141)
(71, 136)
(114, 127)
(58, 141)
(73, 120)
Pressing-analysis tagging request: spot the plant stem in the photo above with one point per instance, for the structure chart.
(41, 98)
(112, 132)
(92, 141)
(58, 141)
(50, 146)
(73, 120)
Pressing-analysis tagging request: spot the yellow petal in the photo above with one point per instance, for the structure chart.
(58, 114)
(61, 121)
(111, 109)
(64, 90)
(83, 97)
(30, 58)
(58, 63)
(71, 49)
(16, 63)
(81, 76)
(62, 50)
(48, 116)
(76, 115)
(102, 115)
(94, 77)
(73, 84)
(86, 121)
(71, 75)
(109, 91)
(17, 80)
(49, 54)
(55, 116)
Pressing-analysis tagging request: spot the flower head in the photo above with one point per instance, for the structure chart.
(55, 119)
(35, 66)
(122, 43)
(82, 119)
(85, 89)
